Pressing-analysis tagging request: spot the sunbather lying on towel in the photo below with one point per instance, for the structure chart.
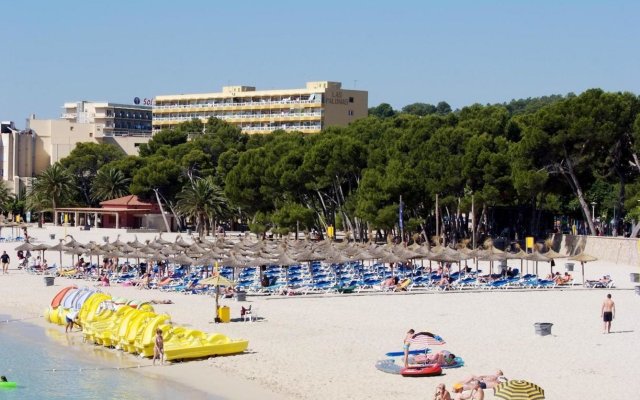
(390, 282)
(475, 393)
(485, 381)
(161, 302)
(402, 286)
(442, 358)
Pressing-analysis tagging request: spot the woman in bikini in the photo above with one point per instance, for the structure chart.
(405, 346)
(442, 358)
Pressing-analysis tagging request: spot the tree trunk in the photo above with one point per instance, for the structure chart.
(324, 206)
(175, 215)
(571, 177)
(201, 225)
(636, 162)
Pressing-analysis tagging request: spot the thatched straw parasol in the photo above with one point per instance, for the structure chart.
(182, 259)
(136, 244)
(161, 241)
(583, 258)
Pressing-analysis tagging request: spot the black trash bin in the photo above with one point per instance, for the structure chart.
(52, 236)
(241, 296)
(48, 280)
(635, 277)
(638, 290)
(543, 328)
(569, 266)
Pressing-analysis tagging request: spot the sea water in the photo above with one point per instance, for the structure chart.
(49, 364)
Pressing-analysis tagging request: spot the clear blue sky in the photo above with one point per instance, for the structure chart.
(402, 52)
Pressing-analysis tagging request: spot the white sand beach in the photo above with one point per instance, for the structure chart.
(325, 346)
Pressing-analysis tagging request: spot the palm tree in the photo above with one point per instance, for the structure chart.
(202, 200)
(53, 187)
(109, 184)
(6, 198)
(39, 202)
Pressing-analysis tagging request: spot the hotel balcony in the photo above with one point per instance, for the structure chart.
(267, 129)
(240, 118)
(123, 132)
(164, 108)
(311, 128)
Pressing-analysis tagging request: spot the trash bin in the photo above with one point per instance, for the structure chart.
(52, 236)
(543, 328)
(224, 314)
(634, 277)
(241, 296)
(569, 266)
(638, 290)
(48, 280)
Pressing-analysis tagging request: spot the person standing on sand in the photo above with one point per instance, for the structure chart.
(4, 258)
(608, 313)
(405, 346)
(158, 349)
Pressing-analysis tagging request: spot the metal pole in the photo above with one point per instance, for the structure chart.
(401, 223)
(473, 230)
(473, 222)
(437, 223)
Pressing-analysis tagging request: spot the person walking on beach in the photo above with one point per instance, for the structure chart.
(158, 349)
(4, 258)
(405, 346)
(608, 313)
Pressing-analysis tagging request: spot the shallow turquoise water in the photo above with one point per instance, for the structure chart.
(29, 353)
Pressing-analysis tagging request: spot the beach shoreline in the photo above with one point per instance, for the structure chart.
(325, 346)
(195, 374)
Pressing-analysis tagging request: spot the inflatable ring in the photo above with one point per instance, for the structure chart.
(423, 370)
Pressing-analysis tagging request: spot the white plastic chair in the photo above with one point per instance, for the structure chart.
(249, 313)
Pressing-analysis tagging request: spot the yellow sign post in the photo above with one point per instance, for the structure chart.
(529, 243)
(66, 221)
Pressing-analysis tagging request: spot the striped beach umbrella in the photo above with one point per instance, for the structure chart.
(519, 390)
(425, 339)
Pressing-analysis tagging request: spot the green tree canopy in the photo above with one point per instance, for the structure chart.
(383, 110)
(109, 184)
(85, 160)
